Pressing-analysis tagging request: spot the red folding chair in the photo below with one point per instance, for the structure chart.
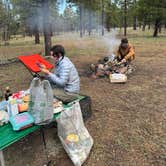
(33, 62)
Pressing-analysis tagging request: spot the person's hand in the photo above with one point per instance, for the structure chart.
(107, 73)
(44, 69)
(123, 61)
(42, 66)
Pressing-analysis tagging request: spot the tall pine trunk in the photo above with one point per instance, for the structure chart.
(81, 20)
(46, 28)
(134, 19)
(149, 26)
(37, 36)
(143, 26)
(160, 28)
(7, 23)
(84, 21)
(156, 28)
(102, 18)
(90, 23)
(135, 23)
(125, 18)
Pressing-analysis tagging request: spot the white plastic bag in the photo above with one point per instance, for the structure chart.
(41, 101)
(75, 138)
(4, 117)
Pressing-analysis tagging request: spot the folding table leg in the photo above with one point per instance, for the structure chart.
(2, 158)
(45, 146)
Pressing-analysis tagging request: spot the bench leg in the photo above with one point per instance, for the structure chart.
(45, 146)
(2, 158)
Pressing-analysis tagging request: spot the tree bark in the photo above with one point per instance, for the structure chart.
(156, 28)
(125, 17)
(135, 18)
(81, 21)
(37, 36)
(143, 27)
(90, 23)
(51, 29)
(135, 23)
(160, 28)
(108, 28)
(46, 28)
(108, 19)
(84, 26)
(7, 26)
(149, 26)
(4, 34)
(102, 17)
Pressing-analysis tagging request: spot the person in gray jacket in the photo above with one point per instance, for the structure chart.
(64, 80)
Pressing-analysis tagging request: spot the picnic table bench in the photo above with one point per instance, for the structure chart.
(8, 136)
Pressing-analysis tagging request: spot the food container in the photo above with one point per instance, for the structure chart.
(118, 78)
(21, 121)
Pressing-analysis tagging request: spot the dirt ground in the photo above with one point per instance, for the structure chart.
(128, 123)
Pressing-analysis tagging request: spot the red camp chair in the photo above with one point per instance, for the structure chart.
(33, 62)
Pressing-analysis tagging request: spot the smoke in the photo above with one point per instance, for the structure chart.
(69, 21)
(111, 41)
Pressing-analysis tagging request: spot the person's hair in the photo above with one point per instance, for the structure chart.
(58, 49)
(124, 40)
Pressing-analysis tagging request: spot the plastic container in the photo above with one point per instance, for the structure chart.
(3, 105)
(23, 107)
(21, 121)
(118, 78)
(4, 117)
(12, 107)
